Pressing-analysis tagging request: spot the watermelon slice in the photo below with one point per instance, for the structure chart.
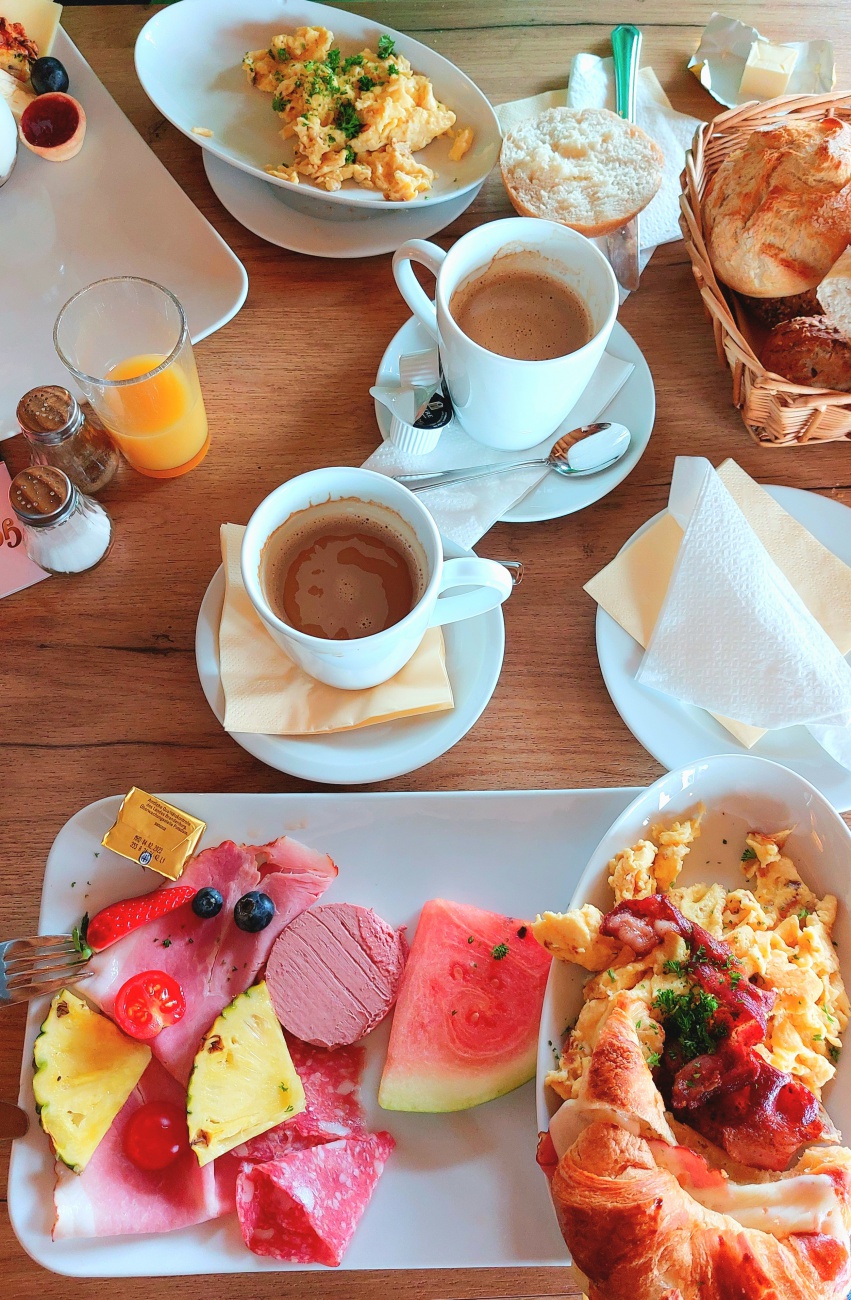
(465, 1029)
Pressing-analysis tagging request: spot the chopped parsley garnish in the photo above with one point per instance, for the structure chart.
(392, 70)
(353, 61)
(500, 951)
(279, 103)
(386, 47)
(689, 1017)
(748, 854)
(817, 1038)
(654, 1059)
(347, 120)
(166, 943)
(672, 967)
(366, 83)
(611, 974)
(284, 55)
(735, 979)
(333, 59)
(834, 1052)
(803, 913)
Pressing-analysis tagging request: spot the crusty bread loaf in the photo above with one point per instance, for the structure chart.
(777, 213)
(809, 350)
(834, 294)
(587, 168)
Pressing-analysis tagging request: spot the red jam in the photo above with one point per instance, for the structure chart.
(50, 120)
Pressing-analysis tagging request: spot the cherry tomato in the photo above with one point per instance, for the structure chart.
(156, 1135)
(149, 1002)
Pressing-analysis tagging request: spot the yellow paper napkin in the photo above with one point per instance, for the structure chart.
(632, 588)
(266, 692)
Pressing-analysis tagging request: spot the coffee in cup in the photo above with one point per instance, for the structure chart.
(343, 569)
(520, 307)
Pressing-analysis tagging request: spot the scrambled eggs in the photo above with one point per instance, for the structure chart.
(776, 927)
(360, 118)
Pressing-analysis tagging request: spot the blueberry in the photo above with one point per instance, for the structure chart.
(207, 903)
(48, 75)
(254, 911)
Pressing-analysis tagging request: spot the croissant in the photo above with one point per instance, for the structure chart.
(644, 1217)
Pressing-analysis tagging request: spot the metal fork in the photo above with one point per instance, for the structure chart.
(30, 968)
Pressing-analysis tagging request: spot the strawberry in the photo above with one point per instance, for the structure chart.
(119, 919)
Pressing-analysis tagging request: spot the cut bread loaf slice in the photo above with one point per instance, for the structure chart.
(834, 294)
(586, 168)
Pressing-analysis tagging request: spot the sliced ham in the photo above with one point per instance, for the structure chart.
(305, 1206)
(213, 959)
(112, 1196)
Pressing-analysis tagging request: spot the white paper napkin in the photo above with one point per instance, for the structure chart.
(465, 511)
(733, 636)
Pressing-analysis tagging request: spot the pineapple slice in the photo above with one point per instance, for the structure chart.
(243, 1081)
(85, 1069)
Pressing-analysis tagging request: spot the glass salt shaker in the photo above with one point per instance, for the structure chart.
(66, 433)
(64, 530)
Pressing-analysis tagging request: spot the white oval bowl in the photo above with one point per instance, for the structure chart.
(189, 56)
(741, 793)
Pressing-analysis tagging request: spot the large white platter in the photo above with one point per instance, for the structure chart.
(189, 59)
(676, 733)
(461, 1190)
(112, 210)
(741, 793)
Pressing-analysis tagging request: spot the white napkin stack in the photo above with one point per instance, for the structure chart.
(733, 636)
(465, 511)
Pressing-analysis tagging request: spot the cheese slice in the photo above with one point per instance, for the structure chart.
(39, 19)
(767, 71)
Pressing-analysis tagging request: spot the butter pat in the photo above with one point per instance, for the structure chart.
(767, 71)
(154, 833)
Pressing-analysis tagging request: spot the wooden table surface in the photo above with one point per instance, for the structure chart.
(97, 675)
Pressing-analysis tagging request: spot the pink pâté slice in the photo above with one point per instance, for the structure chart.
(465, 1028)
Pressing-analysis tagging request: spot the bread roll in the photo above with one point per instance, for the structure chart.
(834, 294)
(771, 311)
(587, 168)
(777, 213)
(811, 351)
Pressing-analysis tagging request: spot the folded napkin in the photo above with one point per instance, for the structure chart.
(742, 611)
(592, 85)
(266, 692)
(465, 511)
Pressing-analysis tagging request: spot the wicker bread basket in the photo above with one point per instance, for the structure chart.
(777, 413)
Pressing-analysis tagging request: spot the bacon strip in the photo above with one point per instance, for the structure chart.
(757, 1113)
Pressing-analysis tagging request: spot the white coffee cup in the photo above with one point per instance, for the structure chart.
(365, 661)
(500, 401)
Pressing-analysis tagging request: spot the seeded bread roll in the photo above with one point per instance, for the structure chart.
(809, 350)
(777, 213)
(587, 168)
(771, 311)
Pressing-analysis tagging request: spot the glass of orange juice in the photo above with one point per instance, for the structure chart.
(126, 342)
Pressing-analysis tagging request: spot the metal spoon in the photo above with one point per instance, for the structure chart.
(587, 450)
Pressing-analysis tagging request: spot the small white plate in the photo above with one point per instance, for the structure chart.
(740, 793)
(555, 496)
(474, 651)
(291, 221)
(677, 734)
(112, 210)
(189, 61)
(461, 1190)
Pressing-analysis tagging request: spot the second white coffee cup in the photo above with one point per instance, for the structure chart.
(500, 401)
(366, 661)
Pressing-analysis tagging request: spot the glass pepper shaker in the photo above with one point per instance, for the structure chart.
(66, 433)
(64, 530)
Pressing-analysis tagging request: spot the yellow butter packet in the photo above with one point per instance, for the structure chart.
(155, 833)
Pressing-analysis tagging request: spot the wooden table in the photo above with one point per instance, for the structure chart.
(99, 689)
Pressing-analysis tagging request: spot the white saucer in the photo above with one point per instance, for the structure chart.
(474, 651)
(555, 496)
(295, 223)
(677, 734)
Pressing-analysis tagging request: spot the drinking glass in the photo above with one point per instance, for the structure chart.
(126, 342)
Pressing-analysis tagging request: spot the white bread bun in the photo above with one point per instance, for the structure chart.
(586, 167)
(834, 294)
(777, 213)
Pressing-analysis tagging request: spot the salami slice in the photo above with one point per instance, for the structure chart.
(331, 1083)
(305, 1206)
